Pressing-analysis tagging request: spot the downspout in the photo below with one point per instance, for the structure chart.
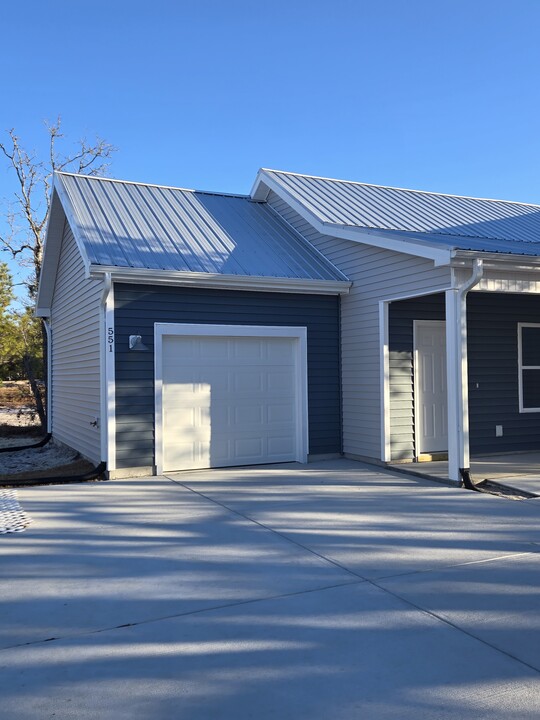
(107, 285)
(461, 367)
(48, 331)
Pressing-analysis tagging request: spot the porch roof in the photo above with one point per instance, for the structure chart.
(448, 222)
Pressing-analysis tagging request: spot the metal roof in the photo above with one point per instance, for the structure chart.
(133, 225)
(450, 221)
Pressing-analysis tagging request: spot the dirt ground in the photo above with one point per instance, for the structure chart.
(15, 394)
(19, 425)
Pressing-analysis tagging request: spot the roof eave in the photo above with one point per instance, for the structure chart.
(265, 182)
(60, 211)
(225, 282)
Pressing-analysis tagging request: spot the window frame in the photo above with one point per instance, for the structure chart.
(521, 367)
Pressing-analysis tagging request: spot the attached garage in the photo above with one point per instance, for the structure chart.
(229, 395)
(189, 329)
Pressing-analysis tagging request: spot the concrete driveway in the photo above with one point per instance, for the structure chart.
(330, 591)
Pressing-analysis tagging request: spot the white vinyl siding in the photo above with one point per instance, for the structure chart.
(377, 274)
(75, 322)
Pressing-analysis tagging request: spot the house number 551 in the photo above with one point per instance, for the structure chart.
(110, 338)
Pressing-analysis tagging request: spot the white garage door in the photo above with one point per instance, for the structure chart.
(230, 401)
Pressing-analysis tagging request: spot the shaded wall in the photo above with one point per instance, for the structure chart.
(138, 307)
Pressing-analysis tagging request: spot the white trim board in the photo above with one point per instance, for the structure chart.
(179, 278)
(521, 367)
(417, 415)
(108, 353)
(162, 330)
(378, 238)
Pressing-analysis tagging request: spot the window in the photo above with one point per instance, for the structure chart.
(529, 367)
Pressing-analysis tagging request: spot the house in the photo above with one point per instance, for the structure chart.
(313, 317)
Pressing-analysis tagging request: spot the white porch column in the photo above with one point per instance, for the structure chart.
(457, 382)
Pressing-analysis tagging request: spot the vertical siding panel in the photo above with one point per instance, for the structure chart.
(377, 275)
(139, 307)
(75, 323)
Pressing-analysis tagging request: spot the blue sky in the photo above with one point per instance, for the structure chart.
(440, 96)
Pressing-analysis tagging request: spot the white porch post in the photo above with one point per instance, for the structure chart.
(456, 373)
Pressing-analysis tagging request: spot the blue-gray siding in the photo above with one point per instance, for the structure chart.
(138, 307)
(493, 371)
(493, 366)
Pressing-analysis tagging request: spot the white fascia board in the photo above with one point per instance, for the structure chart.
(259, 191)
(377, 238)
(52, 247)
(72, 221)
(226, 282)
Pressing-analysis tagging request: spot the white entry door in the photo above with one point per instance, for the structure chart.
(430, 396)
(230, 400)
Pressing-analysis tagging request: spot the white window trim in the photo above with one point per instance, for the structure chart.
(521, 367)
(162, 330)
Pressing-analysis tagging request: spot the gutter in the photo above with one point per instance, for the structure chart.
(224, 282)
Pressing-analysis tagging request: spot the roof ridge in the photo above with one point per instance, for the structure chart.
(155, 185)
(408, 190)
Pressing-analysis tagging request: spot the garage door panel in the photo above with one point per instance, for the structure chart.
(280, 446)
(280, 382)
(229, 401)
(279, 413)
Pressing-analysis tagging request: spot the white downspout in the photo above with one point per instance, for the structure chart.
(457, 373)
(48, 331)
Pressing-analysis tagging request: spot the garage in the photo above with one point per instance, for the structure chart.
(229, 395)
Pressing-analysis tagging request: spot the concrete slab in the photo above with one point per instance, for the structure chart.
(520, 470)
(101, 555)
(244, 597)
(347, 653)
(374, 523)
(497, 601)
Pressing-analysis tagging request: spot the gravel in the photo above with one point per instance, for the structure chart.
(48, 456)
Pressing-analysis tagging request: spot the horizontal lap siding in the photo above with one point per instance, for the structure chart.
(377, 275)
(75, 321)
(401, 337)
(493, 372)
(138, 307)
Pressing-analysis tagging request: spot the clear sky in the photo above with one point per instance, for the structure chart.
(438, 95)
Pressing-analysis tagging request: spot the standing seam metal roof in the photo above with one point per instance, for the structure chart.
(446, 220)
(133, 225)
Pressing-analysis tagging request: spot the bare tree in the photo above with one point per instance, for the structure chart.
(26, 214)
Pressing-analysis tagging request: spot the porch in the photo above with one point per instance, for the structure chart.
(466, 383)
(520, 471)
